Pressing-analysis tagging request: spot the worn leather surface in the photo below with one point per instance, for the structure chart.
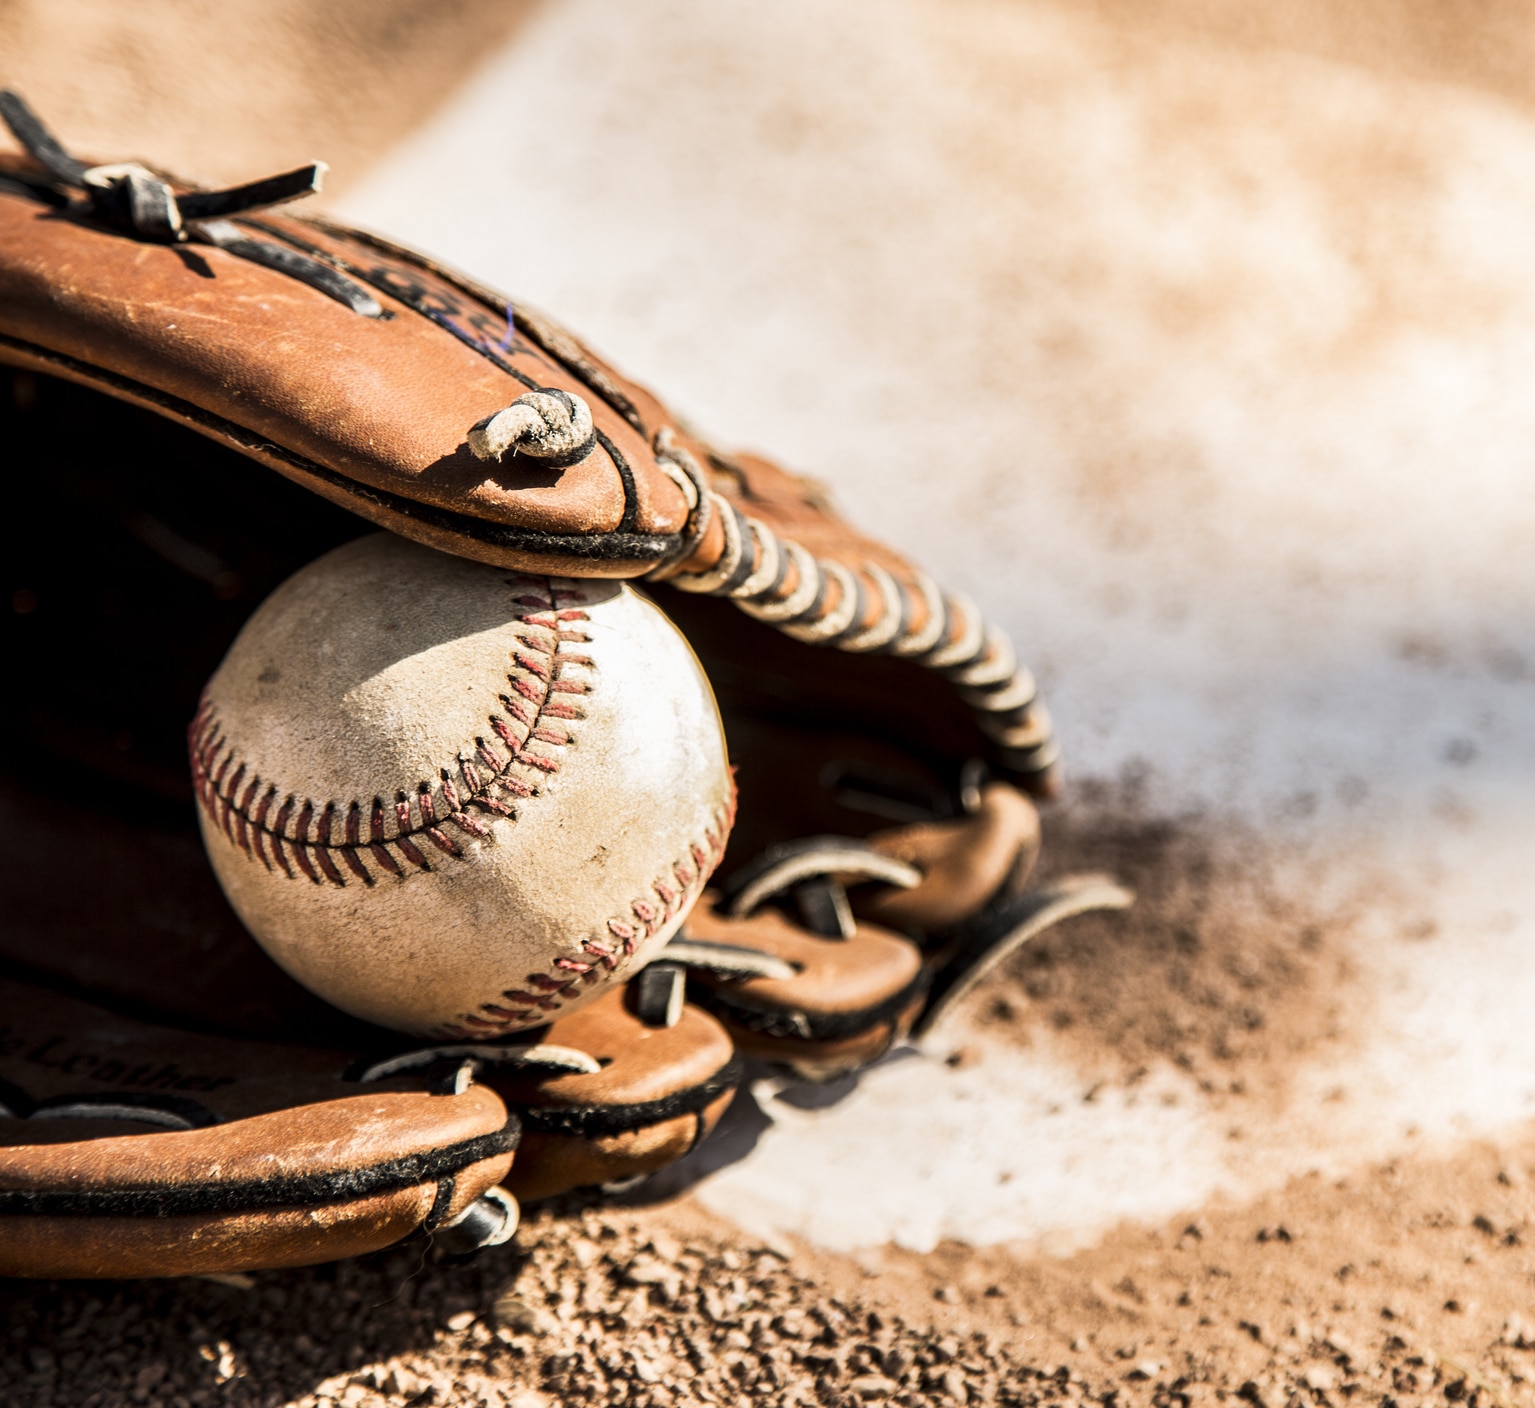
(54, 1045)
(136, 920)
(549, 1165)
(274, 367)
(794, 716)
(830, 1058)
(275, 1139)
(966, 862)
(799, 777)
(57, 1247)
(640, 1063)
(851, 998)
(835, 976)
(649, 1104)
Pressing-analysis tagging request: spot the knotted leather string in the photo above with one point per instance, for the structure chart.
(138, 201)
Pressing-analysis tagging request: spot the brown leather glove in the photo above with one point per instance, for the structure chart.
(168, 342)
(109, 900)
(128, 1149)
(134, 1149)
(431, 406)
(836, 933)
(172, 1102)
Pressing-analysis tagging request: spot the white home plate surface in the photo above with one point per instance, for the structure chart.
(1205, 361)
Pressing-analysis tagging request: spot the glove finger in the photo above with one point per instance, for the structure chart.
(846, 1001)
(659, 1092)
(966, 863)
(132, 1150)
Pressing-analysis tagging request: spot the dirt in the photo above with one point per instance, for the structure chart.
(1217, 968)
(1404, 1285)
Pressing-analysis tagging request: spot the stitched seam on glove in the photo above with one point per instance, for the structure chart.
(598, 1121)
(797, 1024)
(576, 548)
(560, 345)
(296, 1190)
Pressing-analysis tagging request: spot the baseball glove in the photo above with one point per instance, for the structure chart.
(145, 319)
(428, 405)
(117, 932)
(836, 932)
(128, 1149)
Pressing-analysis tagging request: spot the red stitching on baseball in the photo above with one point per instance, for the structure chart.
(559, 983)
(527, 999)
(314, 842)
(355, 865)
(468, 825)
(322, 856)
(301, 855)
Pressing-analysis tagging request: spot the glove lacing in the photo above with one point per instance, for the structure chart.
(131, 197)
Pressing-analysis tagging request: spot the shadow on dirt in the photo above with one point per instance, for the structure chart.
(1217, 968)
(196, 1341)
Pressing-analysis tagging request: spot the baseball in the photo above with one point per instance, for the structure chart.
(454, 799)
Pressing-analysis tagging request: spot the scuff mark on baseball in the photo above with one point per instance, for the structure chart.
(458, 800)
